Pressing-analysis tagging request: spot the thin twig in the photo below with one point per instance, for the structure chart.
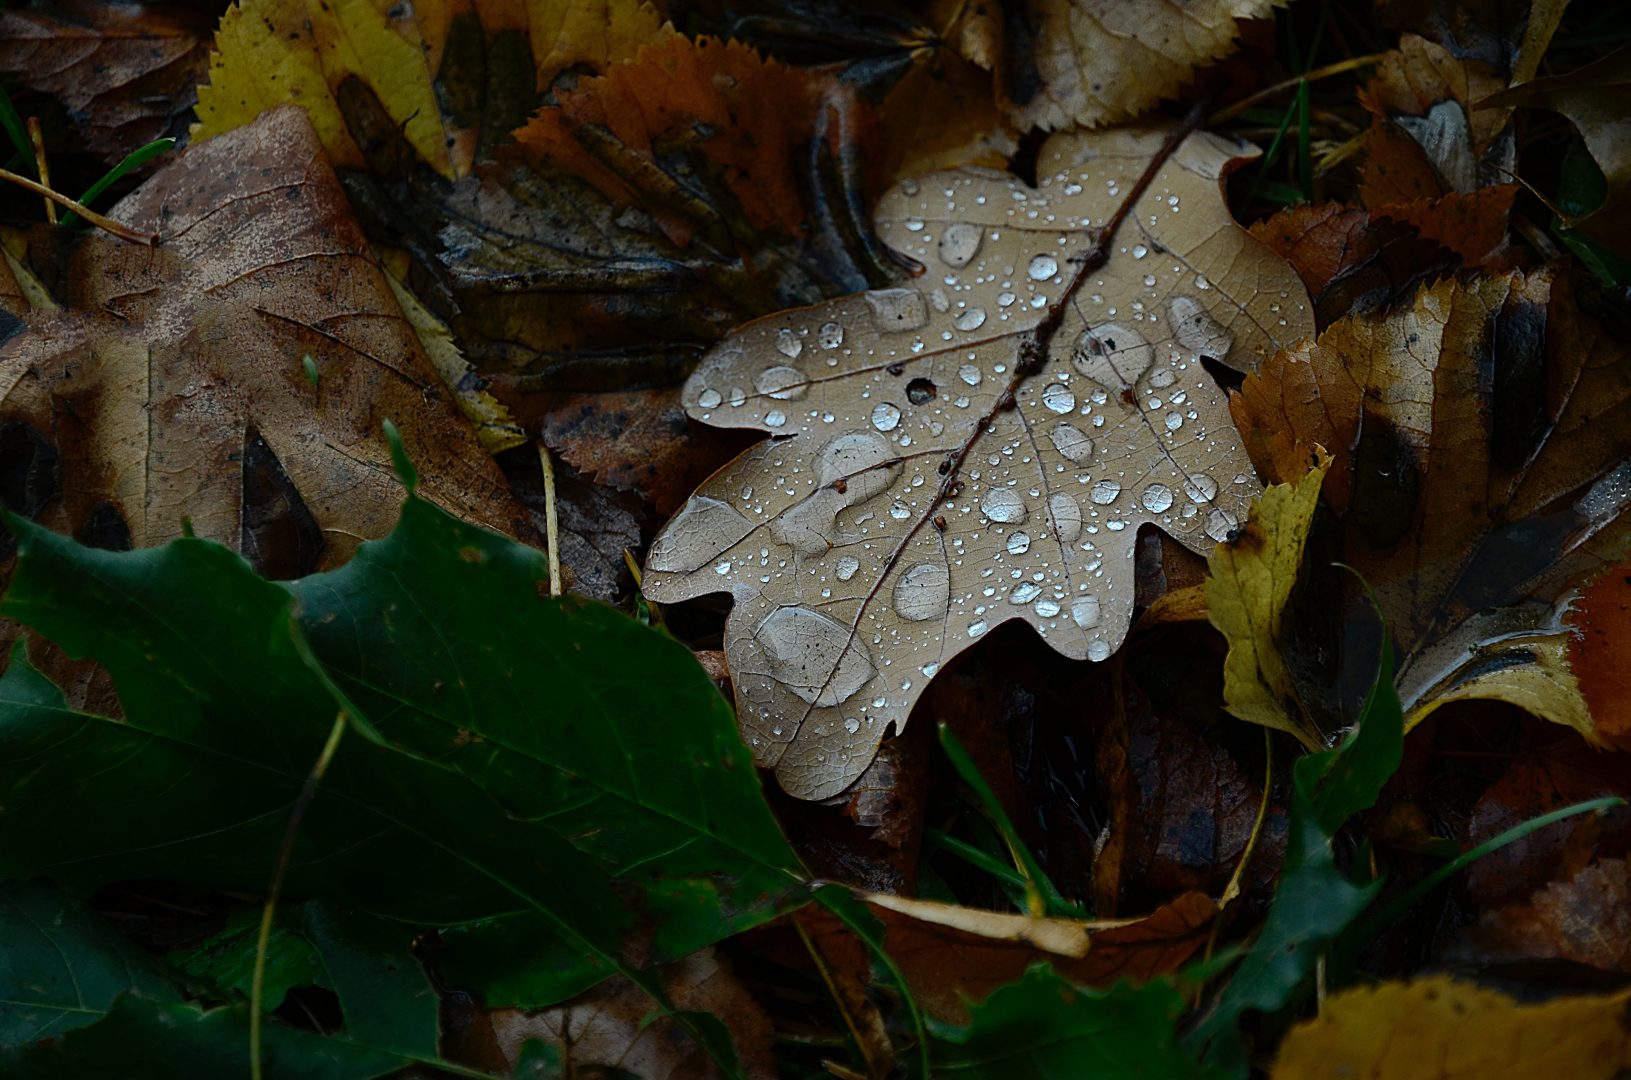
(1267, 92)
(41, 167)
(106, 224)
(552, 526)
(1232, 890)
(257, 986)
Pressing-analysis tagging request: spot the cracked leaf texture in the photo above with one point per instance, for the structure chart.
(857, 565)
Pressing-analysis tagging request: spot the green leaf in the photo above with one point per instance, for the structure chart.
(570, 714)
(386, 998)
(144, 1039)
(1314, 901)
(1043, 1026)
(62, 966)
(227, 959)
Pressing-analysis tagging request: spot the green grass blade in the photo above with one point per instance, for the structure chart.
(133, 160)
(1042, 897)
(15, 129)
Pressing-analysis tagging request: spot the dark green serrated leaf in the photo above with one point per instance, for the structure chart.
(224, 718)
(1043, 1027)
(1314, 900)
(61, 965)
(575, 717)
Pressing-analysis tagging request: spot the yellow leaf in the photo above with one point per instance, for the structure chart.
(1441, 1029)
(1251, 580)
(451, 75)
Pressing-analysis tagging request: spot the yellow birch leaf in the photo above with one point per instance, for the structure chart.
(1252, 576)
(1440, 1029)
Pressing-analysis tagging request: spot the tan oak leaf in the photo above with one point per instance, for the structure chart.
(937, 470)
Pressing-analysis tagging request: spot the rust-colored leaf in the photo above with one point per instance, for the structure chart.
(1585, 918)
(939, 476)
(1600, 651)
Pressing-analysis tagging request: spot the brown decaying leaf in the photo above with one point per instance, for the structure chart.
(1585, 918)
(1599, 653)
(126, 73)
(1350, 260)
(1091, 62)
(1433, 160)
(173, 389)
(612, 1027)
(1554, 773)
(1472, 490)
(930, 487)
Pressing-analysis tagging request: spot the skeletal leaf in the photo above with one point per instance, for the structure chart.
(940, 475)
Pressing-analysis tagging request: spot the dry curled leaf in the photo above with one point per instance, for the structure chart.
(938, 476)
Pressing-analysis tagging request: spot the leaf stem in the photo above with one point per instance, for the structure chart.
(257, 986)
(42, 169)
(552, 526)
(123, 232)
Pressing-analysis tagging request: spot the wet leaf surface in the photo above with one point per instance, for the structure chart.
(848, 538)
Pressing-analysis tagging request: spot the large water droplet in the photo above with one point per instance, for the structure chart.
(1047, 607)
(959, 242)
(1003, 505)
(1196, 330)
(775, 418)
(885, 416)
(815, 656)
(1067, 517)
(972, 319)
(976, 628)
(897, 310)
(899, 511)
(1113, 354)
(863, 460)
(1058, 398)
(700, 531)
(1220, 523)
(1104, 492)
(1098, 650)
(970, 374)
(782, 383)
(830, 336)
(1139, 251)
(923, 592)
(1174, 421)
(788, 343)
(1157, 498)
(1019, 543)
(1070, 442)
(1084, 612)
(709, 399)
(1024, 593)
(1201, 488)
(847, 565)
(1042, 267)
